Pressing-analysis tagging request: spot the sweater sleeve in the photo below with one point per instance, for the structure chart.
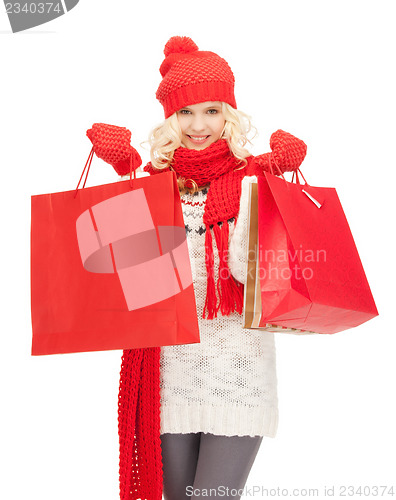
(237, 254)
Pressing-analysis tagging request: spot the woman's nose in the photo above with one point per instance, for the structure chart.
(198, 123)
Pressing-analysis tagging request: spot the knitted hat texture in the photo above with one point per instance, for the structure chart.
(191, 76)
(112, 144)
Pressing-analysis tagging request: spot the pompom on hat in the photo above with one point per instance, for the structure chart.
(191, 76)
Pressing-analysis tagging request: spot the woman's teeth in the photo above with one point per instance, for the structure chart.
(201, 138)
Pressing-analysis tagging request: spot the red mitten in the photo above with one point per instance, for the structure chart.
(288, 152)
(112, 144)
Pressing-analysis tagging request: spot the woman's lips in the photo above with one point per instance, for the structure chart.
(198, 139)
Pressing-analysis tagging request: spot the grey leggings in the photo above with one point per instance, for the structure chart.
(194, 462)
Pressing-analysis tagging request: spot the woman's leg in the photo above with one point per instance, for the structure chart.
(179, 460)
(224, 464)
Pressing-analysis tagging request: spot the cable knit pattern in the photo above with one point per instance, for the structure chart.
(225, 385)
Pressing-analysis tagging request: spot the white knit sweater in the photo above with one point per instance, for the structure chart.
(226, 384)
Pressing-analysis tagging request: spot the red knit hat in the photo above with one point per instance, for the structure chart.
(191, 76)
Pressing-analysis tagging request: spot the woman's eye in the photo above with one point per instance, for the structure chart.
(185, 112)
(212, 111)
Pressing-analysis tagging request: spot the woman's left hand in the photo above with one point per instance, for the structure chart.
(288, 152)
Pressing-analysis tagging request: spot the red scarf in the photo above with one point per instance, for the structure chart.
(218, 166)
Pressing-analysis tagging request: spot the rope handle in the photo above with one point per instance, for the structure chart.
(272, 159)
(131, 169)
(295, 172)
(88, 164)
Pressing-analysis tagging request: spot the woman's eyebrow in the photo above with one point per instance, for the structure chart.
(214, 106)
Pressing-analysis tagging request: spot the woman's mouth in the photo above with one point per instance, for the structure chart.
(198, 139)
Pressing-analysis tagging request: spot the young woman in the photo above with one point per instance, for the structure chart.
(218, 398)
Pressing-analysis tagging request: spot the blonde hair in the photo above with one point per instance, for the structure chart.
(165, 138)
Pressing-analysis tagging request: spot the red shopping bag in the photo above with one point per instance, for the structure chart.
(311, 276)
(110, 268)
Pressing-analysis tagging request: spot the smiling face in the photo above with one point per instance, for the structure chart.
(201, 124)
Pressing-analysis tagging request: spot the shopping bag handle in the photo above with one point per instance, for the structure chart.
(314, 196)
(131, 170)
(272, 160)
(295, 174)
(88, 164)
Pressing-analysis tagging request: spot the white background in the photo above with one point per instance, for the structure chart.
(323, 71)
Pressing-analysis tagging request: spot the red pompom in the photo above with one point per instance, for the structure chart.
(180, 45)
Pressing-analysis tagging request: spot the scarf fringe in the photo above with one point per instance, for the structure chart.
(229, 290)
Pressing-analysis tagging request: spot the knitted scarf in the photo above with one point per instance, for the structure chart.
(219, 167)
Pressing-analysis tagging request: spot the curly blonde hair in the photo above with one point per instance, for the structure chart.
(166, 137)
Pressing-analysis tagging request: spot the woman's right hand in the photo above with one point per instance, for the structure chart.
(112, 144)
